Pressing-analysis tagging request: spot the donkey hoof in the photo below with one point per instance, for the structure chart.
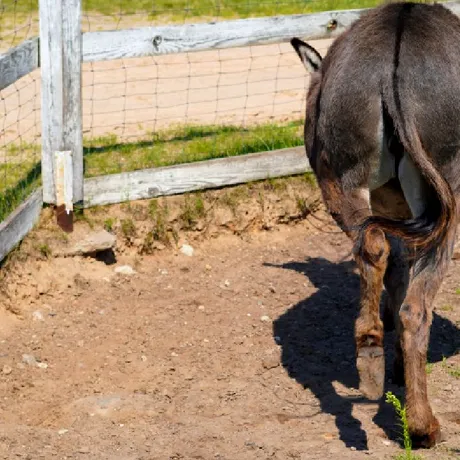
(371, 368)
(428, 440)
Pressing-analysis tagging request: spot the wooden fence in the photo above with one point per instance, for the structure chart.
(59, 52)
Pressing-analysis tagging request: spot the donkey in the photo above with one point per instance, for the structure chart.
(382, 136)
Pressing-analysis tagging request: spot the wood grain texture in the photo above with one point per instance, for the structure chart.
(72, 96)
(51, 90)
(172, 180)
(18, 62)
(147, 41)
(16, 226)
(150, 41)
(63, 178)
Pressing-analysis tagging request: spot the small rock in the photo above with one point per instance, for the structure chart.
(62, 431)
(42, 365)
(29, 359)
(208, 267)
(448, 387)
(272, 289)
(277, 339)
(125, 270)
(227, 283)
(37, 316)
(270, 361)
(187, 250)
(174, 354)
(97, 242)
(265, 319)
(7, 369)
(386, 442)
(163, 271)
(84, 450)
(353, 448)
(201, 308)
(143, 358)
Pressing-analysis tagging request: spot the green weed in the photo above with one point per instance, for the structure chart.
(402, 421)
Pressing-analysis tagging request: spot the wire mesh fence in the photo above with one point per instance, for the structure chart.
(19, 111)
(160, 110)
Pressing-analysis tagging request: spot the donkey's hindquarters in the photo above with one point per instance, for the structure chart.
(381, 123)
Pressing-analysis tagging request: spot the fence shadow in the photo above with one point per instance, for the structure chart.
(316, 337)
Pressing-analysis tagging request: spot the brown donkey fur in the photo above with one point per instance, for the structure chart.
(382, 128)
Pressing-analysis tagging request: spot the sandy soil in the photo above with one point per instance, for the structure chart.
(242, 351)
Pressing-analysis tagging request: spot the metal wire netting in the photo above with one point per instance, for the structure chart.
(19, 111)
(160, 110)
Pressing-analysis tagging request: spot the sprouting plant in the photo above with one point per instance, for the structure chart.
(402, 418)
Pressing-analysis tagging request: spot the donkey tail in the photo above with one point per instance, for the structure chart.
(430, 231)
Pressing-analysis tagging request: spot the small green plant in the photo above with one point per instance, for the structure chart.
(457, 291)
(303, 206)
(429, 368)
(128, 228)
(402, 419)
(447, 308)
(310, 179)
(192, 210)
(159, 216)
(45, 250)
(108, 224)
(453, 371)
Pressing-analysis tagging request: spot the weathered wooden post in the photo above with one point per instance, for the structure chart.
(62, 135)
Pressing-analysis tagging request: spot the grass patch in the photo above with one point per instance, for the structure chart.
(453, 371)
(178, 10)
(108, 155)
(192, 210)
(18, 179)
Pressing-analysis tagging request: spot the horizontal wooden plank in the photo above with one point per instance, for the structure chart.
(18, 62)
(147, 41)
(172, 180)
(150, 41)
(16, 226)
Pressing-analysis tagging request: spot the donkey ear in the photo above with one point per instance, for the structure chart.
(310, 57)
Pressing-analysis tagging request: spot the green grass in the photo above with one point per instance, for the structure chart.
(453, 371)
(180, 9)
(18, 178)
(108, 155)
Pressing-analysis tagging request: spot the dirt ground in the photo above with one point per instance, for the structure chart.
(242, 351)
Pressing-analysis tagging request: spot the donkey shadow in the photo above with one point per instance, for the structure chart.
(317, 341)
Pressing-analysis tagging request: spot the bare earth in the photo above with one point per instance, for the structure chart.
(242, 351)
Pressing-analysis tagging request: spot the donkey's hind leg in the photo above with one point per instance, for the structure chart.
(350, 208)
